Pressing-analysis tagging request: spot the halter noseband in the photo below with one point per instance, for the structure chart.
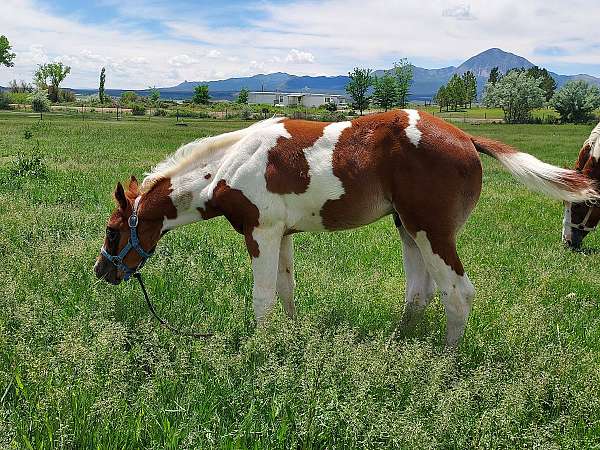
(582, 225)
(132, 243)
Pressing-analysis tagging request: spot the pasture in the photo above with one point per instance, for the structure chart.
(84, 365)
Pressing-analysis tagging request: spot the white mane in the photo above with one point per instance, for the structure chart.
(594, 142)
(189, 155)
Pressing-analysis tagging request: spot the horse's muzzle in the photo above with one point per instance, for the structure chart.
(106, 271)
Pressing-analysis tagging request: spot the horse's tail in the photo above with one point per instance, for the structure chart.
(558, 183)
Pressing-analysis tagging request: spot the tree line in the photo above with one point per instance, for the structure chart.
(386, 91)
(459, 91)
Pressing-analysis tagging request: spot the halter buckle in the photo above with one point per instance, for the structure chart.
(133, 220)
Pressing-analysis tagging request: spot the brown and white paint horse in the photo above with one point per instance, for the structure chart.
(582, 217)
(282, 176)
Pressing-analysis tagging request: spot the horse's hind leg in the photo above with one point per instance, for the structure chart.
(457, 291)
(420, 286)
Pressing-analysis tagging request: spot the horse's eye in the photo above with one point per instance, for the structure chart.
(111, 234)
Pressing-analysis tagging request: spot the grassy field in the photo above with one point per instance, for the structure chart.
(83, 364)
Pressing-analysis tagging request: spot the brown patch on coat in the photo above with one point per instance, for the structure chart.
(287, 167)
(239, 211)
(207, 176)
(433, 186)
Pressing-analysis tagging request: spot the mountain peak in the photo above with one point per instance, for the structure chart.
(482, 63)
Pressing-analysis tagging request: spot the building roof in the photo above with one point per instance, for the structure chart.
(295, 94)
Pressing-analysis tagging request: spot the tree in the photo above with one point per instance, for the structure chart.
(470, 86)
(154, 95)
(456, 92)
(403, 71)
(201, 95)
(101, 94)
(441, 98)
(576, 101)
(385, 92)
(242, 97)
(56, 72)
(39, 102)
(547, 83)
(517, 94)
(494, 75)
(6, 57)
(129, 98)
(21, 87)
(357, 87)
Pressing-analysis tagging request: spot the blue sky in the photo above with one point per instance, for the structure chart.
(154, 42)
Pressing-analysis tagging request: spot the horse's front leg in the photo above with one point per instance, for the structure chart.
(285, 276)
(263, 245)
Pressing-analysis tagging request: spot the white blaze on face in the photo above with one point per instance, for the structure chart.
(412, 132)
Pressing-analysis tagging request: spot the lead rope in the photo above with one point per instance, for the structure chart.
(163, 322)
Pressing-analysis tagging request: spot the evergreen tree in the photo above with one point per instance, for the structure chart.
(101, 94)
(547, 83)
(470, 86)
(494, 75)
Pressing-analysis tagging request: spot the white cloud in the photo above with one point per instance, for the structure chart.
(298, 57)
(301, 37)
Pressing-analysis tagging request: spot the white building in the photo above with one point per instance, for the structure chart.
(306, 99)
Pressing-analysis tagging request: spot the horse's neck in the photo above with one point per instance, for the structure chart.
(185, 195)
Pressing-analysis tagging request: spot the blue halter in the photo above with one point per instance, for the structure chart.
(132, 243)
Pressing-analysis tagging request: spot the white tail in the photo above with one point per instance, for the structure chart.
(561, 184)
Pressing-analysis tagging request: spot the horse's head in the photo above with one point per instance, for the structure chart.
(132, 233)
(581, 218)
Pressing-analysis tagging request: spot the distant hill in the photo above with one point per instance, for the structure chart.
(425, 84)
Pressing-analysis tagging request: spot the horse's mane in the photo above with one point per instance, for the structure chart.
(188, 155)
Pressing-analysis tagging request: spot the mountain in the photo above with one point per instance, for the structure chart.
(425, 84)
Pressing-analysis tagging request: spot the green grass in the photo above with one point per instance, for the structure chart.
(83, 364)
(485, 113)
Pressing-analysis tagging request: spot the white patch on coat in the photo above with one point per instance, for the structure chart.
(457, 291)
(303, 210)
(412, 132)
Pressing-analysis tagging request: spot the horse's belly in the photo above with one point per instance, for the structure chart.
(336, 214)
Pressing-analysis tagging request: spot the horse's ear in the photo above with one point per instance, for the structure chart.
(120, 196)
(133, 187)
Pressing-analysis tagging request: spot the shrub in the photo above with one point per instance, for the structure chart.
(39, 101)
(32, 166)
(21, 98)
(246, 113)
(576, 101)
(4, 100)
(137, 109)
(189, 113)
(159, 112)
(66, 96)
(128, 98)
